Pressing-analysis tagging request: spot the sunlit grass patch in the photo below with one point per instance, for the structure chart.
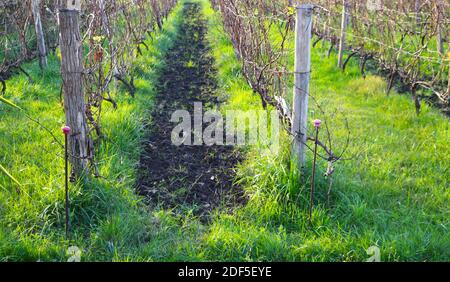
(392, 193)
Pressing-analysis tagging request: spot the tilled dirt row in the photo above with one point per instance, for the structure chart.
(199, 177)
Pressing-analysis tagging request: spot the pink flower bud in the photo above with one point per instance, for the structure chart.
(317, 123)
(66, 130)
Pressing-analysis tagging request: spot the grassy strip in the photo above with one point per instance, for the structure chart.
(108, 219)
(393, 194)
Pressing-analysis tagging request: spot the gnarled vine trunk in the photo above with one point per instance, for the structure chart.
(74, 102)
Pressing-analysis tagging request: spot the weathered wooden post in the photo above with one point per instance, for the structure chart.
(344, 23)
(448, 79)
(302, 76)
(39, 33)
(417, 5)
(440, 17)
(440, 42)
(72, 76)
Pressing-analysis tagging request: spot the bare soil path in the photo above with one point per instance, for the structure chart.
(198, 177)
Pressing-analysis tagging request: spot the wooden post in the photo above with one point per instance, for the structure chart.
(448, 79)
(72, 77)
(439, 6)
(39, 33)
(302, 76)
(440, 42)
(344, 24)
(417, 12)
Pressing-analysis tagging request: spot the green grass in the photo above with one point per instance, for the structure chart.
(108, 219)
(394, 193)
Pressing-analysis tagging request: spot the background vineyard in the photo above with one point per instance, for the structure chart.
(405, 40)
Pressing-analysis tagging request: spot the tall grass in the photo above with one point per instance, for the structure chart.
(393, 193)
(108, 219)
